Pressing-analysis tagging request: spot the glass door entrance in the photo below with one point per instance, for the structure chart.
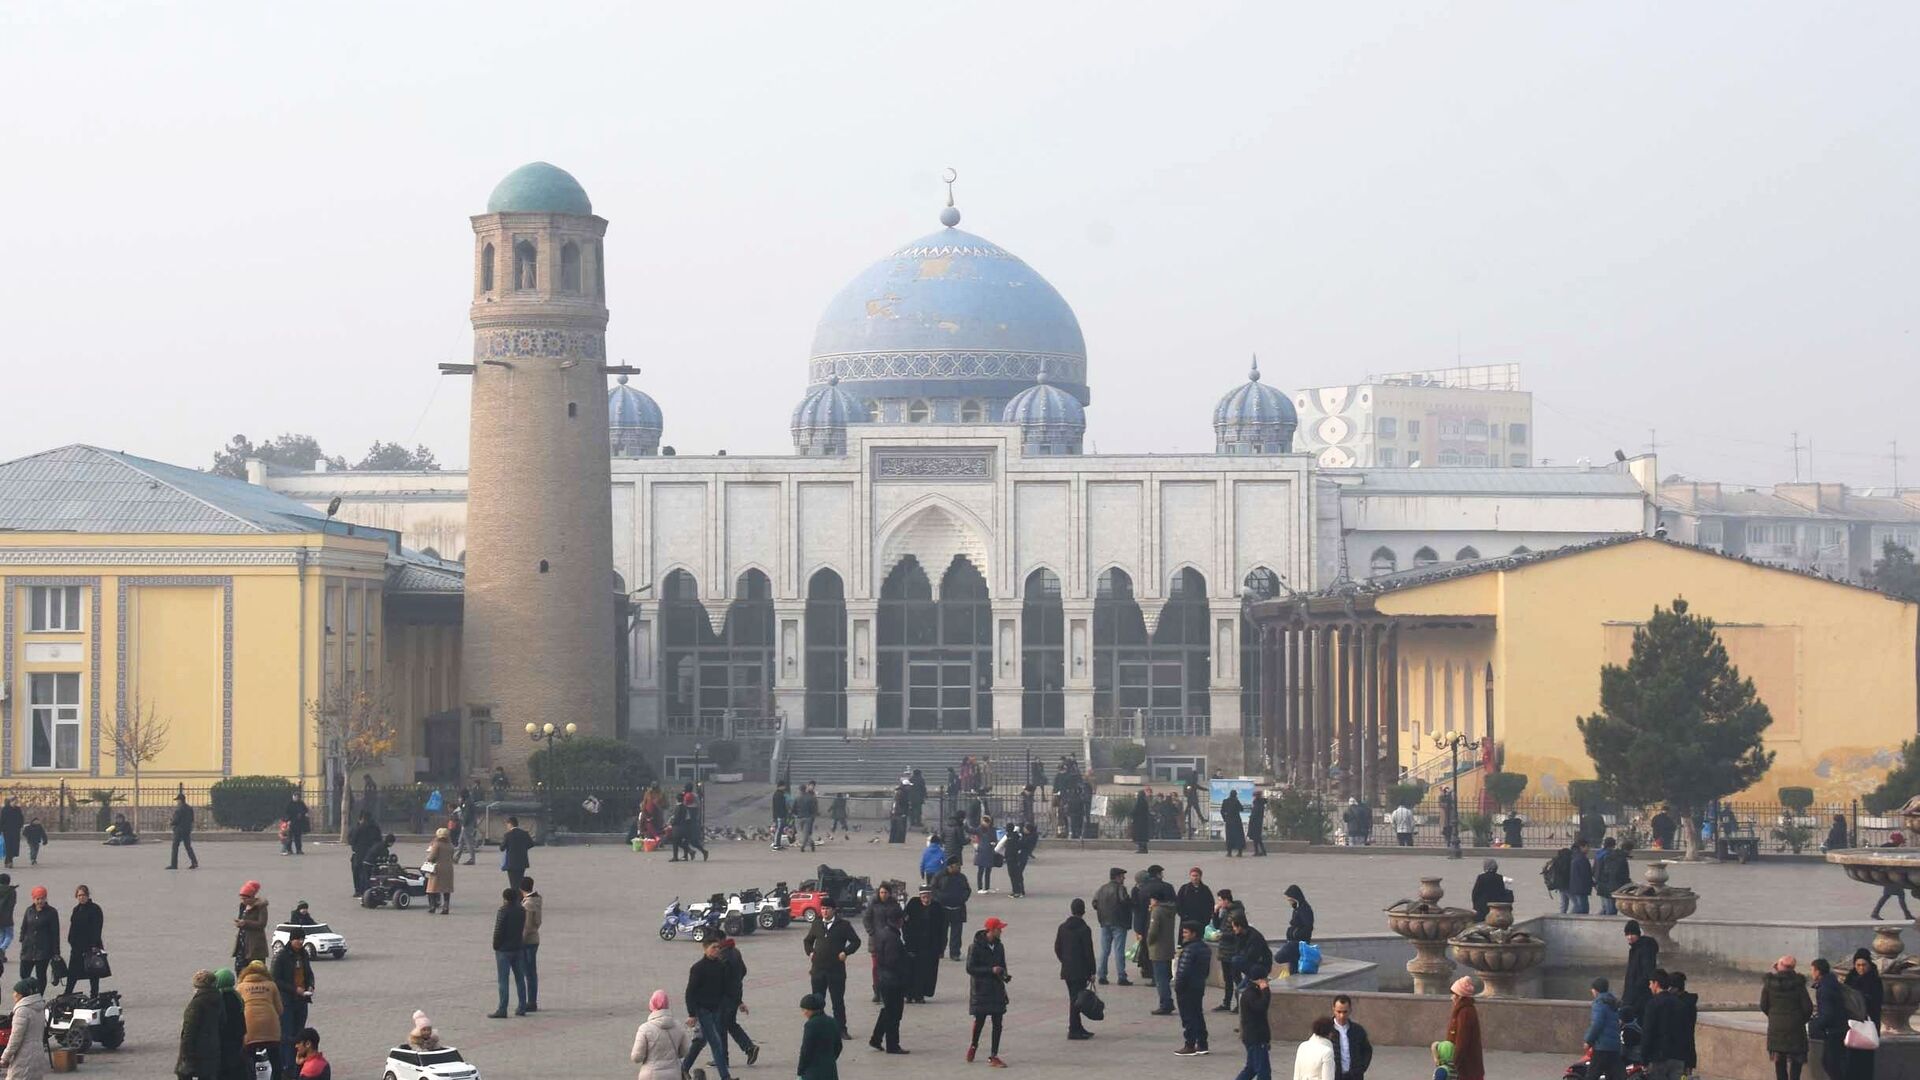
(940, 695)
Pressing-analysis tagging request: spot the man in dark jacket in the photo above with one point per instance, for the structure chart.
(364, 837)
(951, 889)
(1686, 1015)
(1256, 953)
(1643, 958)
(828, 944)
(1256, 1032)
(182, 825)
(892, 972)
(1257, 823)
(706, 999)
(1141, 822)
(736, 1000)
(779, 817)
(925, 935)
(509, 951)
(955, 838)
(12, 820)
(1194, 901)
(514, 847)
(1603, 1034)
(199, 1056)
(1073, 946)
(293, 974)
(1299, 928)
(1580, 878)
(1352, 1050)
(1489, 888)
(806, 810)
(1114, 908)
(1190, 969)
(1611, 872)
(819, 1042)
(1660, 1031)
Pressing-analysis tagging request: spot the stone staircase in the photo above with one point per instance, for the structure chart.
(875, 764)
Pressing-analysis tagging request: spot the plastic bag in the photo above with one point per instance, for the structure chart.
(1309, 958)
(1862, 1035)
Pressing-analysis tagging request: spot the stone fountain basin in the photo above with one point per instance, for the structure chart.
(1881, 866)
(1498, 957)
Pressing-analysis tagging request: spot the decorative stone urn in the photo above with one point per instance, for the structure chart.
(1429, 925)
(1496, 951)
(1656, 905)
(1900, 868)
(1899, 979)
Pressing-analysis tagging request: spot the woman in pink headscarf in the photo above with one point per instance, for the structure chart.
(1463, 1031)
(661, 1042)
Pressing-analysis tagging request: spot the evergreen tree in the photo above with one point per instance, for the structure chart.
(1896, 574)
(1901, 784)
(1678, 724)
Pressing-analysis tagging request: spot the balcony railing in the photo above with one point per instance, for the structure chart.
(1148, 725)
(721, 725)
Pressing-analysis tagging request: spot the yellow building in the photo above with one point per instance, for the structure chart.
(131, 588)
(1357, 682)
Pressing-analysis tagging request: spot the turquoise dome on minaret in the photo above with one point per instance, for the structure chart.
(539, 188)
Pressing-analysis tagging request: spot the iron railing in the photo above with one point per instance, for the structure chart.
(1150, 725)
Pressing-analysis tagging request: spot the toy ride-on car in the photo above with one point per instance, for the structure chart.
(850, 894)
(734, 918)
(389, 881)
(322, 940)
(406, 1063)
(681, 922)
(80, 1021)
(775, 912)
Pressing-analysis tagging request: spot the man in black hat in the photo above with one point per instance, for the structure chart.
(1643, 959)
(819, 1041)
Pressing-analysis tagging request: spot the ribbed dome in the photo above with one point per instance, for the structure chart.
(820, 420)
(539, 188)
(1254, 418)
(634, 422)
(1051, 420)
(950, 315)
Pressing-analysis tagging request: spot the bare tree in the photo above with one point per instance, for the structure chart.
(352, 730)
(137, 739)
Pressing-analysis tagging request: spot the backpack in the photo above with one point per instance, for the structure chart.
(1854, 1002)
(1556, 869)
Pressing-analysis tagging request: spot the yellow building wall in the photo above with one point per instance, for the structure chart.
(1835, 664)
(173, 651)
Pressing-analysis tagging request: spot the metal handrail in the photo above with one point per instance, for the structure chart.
(1146, 725)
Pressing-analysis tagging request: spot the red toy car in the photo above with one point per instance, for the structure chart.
(850, 894)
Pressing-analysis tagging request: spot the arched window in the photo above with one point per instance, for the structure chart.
(486, 268)
(1384, 561)
(826, 651)
(971, 412)
(935, 658)
(1043, 654)
(713, 676)
(526, 262)
(1426, 556)
(919, 413)
(1523, 550)
(1181, 638)
(1466, 554)
(1164, 674)
(1120, 657)
(570, 267)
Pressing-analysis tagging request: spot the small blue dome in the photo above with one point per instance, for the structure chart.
(1051, 420)
(1254, 418)
(820, 420)
(634, 422)
(539, 188)
(949, 316)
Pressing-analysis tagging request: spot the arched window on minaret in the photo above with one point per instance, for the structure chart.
(570, 267)
(486, 268)
(525, 263)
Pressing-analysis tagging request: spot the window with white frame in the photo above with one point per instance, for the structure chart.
(54, 717)
(55, 607)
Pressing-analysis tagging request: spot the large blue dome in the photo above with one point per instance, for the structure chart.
(634, 422)
(539, 188)
(950, 315)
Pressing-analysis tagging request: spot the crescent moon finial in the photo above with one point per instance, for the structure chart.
(950, 216)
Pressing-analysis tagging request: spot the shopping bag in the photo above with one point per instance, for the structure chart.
(1309, 959)
(1862, 1035)
(429, 867)
(434, 802)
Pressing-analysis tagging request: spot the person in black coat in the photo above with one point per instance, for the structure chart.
(1865, 978)
(1828, 1027)
(181, 824)
(951, 890)
(514, 848)
(1299, 928)
(1073, 946)
(1194, 901)
(12, 820)
(706, 1002)
(84, 927)
(1352, 1050)
(893, 973)
(1660, 1024)
(1643, 959)
(1489, 888)
(1231, 809)
(925, 934)
(1257, 823)
(364, 837)
(39, 937)
(987, 996)
(1140, 822)
(509, 951)
(828, 944)
(1019, 850)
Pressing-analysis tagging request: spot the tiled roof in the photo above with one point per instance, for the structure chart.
(423, 575)
(86, 489)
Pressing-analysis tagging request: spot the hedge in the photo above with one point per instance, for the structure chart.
(250, 802)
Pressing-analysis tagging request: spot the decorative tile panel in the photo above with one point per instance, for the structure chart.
(966, 465)
(1025, 366)
(501, 344)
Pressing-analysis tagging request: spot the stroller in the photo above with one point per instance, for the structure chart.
(389, 881)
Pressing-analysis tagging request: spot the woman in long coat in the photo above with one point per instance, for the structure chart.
(661, 1041)
(1463, 1031)
(440, 882)
(199, 1057)
(1788, 1007)
(1142, 822)
(1230, 808)
(1865, 978)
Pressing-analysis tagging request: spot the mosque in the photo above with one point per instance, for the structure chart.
(937, 557)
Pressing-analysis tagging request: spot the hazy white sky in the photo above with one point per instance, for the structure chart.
(1699, 218)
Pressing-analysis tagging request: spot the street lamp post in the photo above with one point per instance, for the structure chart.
(1453, 742)
(699, 794)
(547, 733)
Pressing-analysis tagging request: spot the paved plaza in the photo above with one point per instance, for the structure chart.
(601, 956)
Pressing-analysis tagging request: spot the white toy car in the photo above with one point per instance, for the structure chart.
(321, 940)
(406, 1063)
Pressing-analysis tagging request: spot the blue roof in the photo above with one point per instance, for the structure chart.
(825, 406)
(950, 307)
(1044, 405)
(628, 407)
(85, 489)
(1254, 402)
(539, 188)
